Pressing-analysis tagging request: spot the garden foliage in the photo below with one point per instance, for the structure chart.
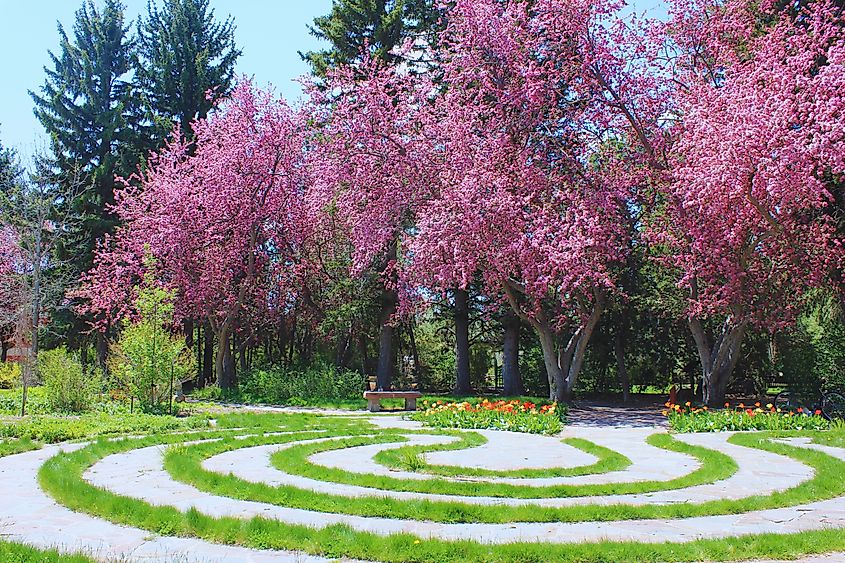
(514, 415)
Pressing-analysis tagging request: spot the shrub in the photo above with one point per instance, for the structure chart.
(690, 418)
(291, 386)
(68, 387)
(10, 375)
(516, 416)
(149, 360)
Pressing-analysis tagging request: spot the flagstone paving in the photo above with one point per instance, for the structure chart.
(29, 515)
(139, 473)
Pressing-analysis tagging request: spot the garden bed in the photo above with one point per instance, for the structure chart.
(514, 415)
(692, 418)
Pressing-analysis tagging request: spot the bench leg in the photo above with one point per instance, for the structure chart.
(373, 405)
(410, 404)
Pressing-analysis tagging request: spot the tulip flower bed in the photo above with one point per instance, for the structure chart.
(691, 418)
(513, 415)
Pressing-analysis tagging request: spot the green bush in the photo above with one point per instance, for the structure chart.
(36, 401)
(149, 361)
(68, 387)
(10, 375)
(292, 386)
(813, 352)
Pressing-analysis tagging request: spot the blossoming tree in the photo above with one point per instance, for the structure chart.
(517, 196)
(370, 167)
(760, 135)
(223, 221)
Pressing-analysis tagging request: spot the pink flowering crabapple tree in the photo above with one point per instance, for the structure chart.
(760, 133)
(370, 166)
(518, 195)
(222, 217)
(11, 288)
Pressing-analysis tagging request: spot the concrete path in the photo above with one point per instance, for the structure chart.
(30, 516)
(760, 473)
(139, 474)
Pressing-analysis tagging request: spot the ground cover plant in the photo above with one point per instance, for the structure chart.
(61, 476)
(691, 418)
(514, 415)
(50, 429)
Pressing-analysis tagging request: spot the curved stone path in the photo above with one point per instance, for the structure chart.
(29, 515)
(760, 473)
(139, 473)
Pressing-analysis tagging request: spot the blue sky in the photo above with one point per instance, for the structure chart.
(269, 32)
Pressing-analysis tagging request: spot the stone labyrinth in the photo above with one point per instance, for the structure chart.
(309, 488)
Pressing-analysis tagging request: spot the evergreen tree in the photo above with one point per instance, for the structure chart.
(87, 107)
(183, 55)
(380, 25)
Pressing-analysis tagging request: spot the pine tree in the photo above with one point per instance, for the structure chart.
(380, 25)
(88, 108)
(183, 55)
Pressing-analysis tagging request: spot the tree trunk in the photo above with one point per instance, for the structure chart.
(283, 336)
(207, 353)
(511, 378)
(551, 360)
(718, 360)
(621, 369)
(384, 371)
(30, 369)
(415, 353)
(343, 347)
(102, 344)
(386, 359)
(243, 353)
(462, 376)
(224, 363)
(199, 342)
(291, 343)
(564, 364)
(188, 325)
(306, 347)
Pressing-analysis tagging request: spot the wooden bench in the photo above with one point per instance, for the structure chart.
(374, 399)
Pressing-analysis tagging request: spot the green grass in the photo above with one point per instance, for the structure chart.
(13, 552)
(185, 465)
(835, 437)
(410, 458)
(62, 477)
(11, 447)
(294, 460)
